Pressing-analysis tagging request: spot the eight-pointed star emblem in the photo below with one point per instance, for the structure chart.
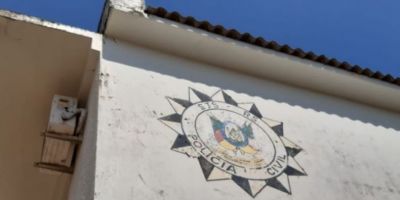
(233, 141)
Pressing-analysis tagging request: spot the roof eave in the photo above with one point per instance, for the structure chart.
(193, 43)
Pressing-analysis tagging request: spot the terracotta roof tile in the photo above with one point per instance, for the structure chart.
(261, 42)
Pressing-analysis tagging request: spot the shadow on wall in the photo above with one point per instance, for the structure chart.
(202, 73)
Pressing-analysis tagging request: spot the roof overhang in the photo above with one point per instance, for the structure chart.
(192, 43)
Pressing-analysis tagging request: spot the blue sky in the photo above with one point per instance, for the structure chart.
(361, 32)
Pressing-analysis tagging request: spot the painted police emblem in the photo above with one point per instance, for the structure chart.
(233, 141)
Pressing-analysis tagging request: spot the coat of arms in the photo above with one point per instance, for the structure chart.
(233, 141)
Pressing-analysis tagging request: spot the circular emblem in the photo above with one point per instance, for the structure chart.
(234, 140)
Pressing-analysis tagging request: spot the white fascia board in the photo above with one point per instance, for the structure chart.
(196, 44)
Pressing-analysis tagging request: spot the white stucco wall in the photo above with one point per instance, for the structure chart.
(350, 150)
(83, 179)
